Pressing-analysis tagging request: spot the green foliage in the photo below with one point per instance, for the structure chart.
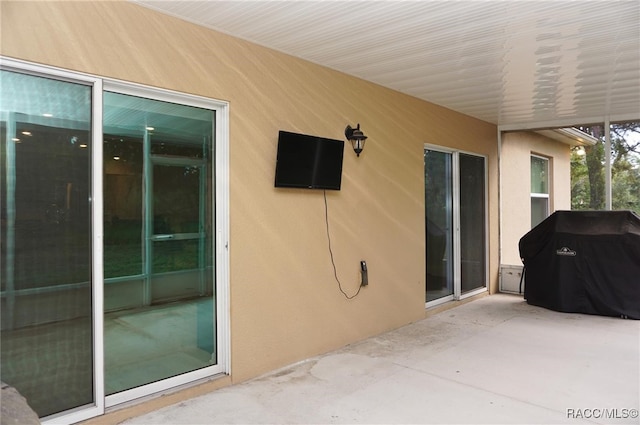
(588, 169)
(625, 187)
(580, 196)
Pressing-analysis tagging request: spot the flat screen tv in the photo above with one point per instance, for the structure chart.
(308, 162)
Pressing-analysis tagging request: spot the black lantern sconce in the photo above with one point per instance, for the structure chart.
(356, 137)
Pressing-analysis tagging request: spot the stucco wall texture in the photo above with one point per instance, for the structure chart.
(285, 303)
(517, 148)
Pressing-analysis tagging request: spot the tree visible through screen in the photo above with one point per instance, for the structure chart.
(588, 169)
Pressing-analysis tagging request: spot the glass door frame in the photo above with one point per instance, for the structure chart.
(97, 408)
(220, 206)
(450, 183)
(221, 233)
(151, 237)
(457, 265)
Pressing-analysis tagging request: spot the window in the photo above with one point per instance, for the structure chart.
(539, 189)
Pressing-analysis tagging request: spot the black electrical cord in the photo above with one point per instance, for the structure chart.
(335, 272)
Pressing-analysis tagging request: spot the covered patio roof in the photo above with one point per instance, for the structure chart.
(517, 64)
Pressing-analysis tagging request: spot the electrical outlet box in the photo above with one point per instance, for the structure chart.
(364, 272)
(510, 277)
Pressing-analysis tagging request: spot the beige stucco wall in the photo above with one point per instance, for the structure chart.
(517, 148)
(285, 303)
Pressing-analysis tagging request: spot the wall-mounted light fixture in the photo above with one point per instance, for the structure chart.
(356, 137)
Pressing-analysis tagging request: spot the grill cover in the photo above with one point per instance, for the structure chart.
(584, 262)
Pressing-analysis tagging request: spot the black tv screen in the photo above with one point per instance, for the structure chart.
(309, 162)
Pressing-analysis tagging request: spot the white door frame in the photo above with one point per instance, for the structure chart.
(221, 200)
(457, 267)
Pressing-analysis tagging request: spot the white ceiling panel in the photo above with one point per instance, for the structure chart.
(512, 63)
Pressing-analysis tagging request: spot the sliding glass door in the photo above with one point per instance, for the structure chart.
(159, 290)
(439, 223)
(455, 223)
(472, 212)
(111, 204)
(47, 311)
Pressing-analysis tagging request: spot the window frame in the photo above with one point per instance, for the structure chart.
(540, 195)
(11, 65)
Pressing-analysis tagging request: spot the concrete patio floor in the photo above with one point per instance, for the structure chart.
(494, 360)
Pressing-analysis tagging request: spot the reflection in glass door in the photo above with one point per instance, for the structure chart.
(472, 223)
(100, 306)
(46, 251)
(159, 250)
(439, 223)
(455, 216)
(178, 245)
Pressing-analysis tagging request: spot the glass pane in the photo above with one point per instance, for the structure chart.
(176, 199)
(174, 130)
(172, 255)
(472, 223)
(47, 339)
(539, 210)
(439, 220)
(123, 250)
(539, 175)
(160, 321)
(161, 147)
(625, 174)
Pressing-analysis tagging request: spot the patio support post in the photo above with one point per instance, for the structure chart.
(607, 164)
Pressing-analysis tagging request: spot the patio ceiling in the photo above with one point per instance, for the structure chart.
(517, 64)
